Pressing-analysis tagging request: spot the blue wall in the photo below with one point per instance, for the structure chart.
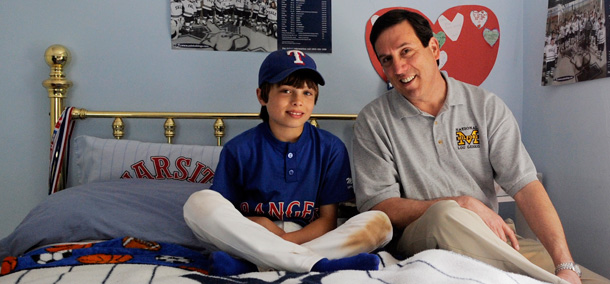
(121, 54)
(566, 130)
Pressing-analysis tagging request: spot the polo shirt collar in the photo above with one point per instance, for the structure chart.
(280, 145)
(406, 109)
(454, 95)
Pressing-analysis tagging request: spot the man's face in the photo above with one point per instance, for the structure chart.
(409, 65)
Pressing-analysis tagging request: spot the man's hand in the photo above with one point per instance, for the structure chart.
(491, 218)
(569, 276)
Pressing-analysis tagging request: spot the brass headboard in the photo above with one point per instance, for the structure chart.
(57, 56)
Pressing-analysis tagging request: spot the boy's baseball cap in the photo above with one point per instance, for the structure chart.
(281, 63)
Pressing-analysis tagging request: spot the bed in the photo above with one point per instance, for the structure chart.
(121, 221)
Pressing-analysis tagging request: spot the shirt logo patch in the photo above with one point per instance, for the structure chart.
(467, 137)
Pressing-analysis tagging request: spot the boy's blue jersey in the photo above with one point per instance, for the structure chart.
(263, 176)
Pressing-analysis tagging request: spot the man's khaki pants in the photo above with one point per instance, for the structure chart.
(448, 226)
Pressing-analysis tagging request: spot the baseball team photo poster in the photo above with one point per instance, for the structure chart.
(251, 25)
(575, 43)
(469, 38)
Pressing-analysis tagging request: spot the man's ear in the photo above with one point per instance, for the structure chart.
(259, 97)
(435, 48)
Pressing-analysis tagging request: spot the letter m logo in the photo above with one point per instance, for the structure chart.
(464, 139)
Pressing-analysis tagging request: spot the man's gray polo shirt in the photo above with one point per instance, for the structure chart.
(400, 151)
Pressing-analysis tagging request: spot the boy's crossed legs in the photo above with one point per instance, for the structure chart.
(215, 221)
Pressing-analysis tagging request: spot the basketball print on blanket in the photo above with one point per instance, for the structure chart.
(431, 266)
(126, 250)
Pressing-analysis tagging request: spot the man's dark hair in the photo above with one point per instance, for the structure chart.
(393, 17)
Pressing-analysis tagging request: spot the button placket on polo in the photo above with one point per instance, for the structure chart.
(291, 164)
(440, 139)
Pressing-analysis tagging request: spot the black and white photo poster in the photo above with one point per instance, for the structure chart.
(251, 25)
(575, 47)
(305, 25)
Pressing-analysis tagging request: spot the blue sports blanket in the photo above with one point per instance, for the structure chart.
(125, 250)
(134, 261)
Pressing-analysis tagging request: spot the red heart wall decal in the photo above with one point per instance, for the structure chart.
(469, 36)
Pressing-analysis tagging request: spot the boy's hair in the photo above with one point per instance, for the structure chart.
(393, 17)
(298, 79)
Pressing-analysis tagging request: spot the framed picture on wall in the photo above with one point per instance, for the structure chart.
(251, 25)
(575, 47)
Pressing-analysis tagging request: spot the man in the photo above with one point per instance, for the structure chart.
(428, 151)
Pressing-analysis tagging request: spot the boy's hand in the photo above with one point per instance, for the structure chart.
(268, 224)
(325, 223)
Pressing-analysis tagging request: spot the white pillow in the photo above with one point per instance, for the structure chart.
(99, 159)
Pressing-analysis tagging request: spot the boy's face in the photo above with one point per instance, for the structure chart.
(289, 109)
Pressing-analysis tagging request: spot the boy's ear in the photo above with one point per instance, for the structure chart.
(259, 96)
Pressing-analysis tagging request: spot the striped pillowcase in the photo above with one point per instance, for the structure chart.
(98, 159)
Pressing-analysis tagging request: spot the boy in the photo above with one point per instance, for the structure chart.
(277, 186)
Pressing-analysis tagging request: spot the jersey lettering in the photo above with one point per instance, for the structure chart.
(202, 170)
(161, 169)
(276, 210)
(181, 164)
(161, 165)
(141, 171)
(280, 211)
(258, 209)
(289, 210)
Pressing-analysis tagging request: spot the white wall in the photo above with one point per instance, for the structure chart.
(567, 132)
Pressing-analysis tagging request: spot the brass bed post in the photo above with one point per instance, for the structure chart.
(56, 56)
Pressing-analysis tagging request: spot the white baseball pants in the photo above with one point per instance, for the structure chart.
(214, 220)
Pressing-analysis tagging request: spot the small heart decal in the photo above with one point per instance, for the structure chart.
(491, 36)
(441, 37)
(452, 28)
(442, 59)
(478, 18)
(373, 19)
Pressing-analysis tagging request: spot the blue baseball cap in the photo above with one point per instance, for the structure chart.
(281, 63)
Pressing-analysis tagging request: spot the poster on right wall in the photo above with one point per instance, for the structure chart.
(575, 44)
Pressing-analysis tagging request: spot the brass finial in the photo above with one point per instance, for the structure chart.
(118, 128)
(56, 56)
(314, 122)
(170, 129)
(219, 130)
